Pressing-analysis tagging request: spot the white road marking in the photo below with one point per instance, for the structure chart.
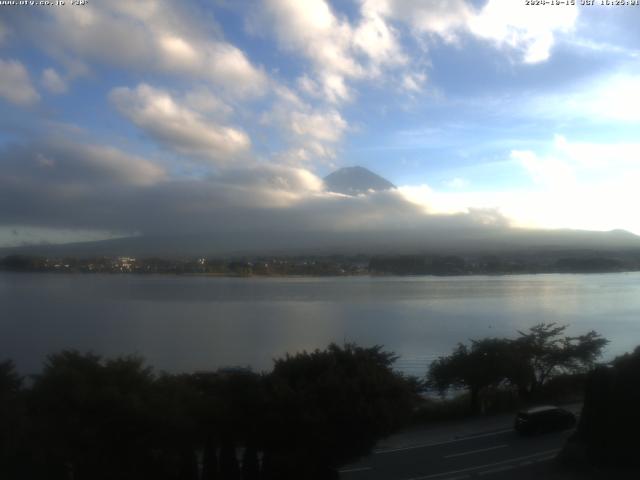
(497, 470)
(544, 459)
(470, 452)
(488, 465)
(351, 470)
(434, 444)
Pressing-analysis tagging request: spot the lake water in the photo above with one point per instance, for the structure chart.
(182, 323)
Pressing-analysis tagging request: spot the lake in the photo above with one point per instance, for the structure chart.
(189, 323)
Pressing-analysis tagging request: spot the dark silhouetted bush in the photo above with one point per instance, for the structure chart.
(609, 426)
(89, 418)
(329, 407)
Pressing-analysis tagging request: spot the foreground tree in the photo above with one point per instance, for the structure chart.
(329, 407)
(544, 352)
(527, 362)
(607, 434)
(12, 421)
(230, 415)
(92, 418)
(480, 365)
(86, 417)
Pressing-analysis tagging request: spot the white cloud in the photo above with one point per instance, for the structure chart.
(338, 49)
(53, 82)
(549, 172)
(506, 23)
(579, 185)
(15, 84)
(457, 183)
(204, 101)
(600, 158)
(178, 54)
(587, 184)
(69, 164)
(377, 38)
(606, 98)
(525, 28)
(312, 29)
(112, 162)
(153, 36)
(325, 126)
(184, 130)
(414, 81)
(312, 133)
(220, 62)
(230, 67)
(340, 52)
(444, 18)
(613, 97)
(268, 185)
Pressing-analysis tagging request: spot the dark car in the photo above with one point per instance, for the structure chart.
(544, 419)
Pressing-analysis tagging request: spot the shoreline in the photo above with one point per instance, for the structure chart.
(364, 274)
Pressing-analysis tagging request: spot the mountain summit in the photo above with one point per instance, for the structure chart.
(355, 180)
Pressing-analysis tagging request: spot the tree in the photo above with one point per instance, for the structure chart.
(480, 365)
(329, 407)
(229, 414)
(22, 263)
(173, 409)
(92, 417)
(607, 433)
(527, 362)
(250, 464)
(12, 421)
(543, 352)
(10, 381)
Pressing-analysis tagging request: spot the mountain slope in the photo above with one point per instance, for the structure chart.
(436, 241)
(355, 180)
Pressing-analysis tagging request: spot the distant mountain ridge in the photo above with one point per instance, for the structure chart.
(356, 180)
(438, 241)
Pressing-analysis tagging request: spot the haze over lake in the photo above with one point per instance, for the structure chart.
(202, 323)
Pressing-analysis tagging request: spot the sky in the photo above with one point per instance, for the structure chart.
(159, 117)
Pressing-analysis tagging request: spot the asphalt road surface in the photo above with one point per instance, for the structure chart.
(491, 454)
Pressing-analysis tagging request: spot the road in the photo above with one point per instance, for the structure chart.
(492, 454)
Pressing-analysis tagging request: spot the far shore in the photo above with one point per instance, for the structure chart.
(278, 275)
